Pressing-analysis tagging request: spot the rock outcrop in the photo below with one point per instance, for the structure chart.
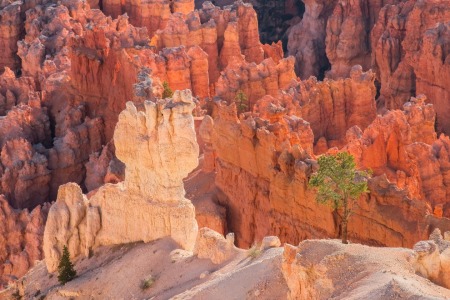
(306, 40)
(410, 54)
(20, 240)
(328, 268)
(214, 246)
(272, 159)
(333, 106)
(152, 14)
(432, 258)
(157, 143)
(348, 34)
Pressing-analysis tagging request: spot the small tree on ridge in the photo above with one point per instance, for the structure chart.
(339, 184)
(66, 272)
(167, 92)
(241, 101)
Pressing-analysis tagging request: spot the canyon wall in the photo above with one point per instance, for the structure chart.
(265, 177)
(410, 54)
(21, 235)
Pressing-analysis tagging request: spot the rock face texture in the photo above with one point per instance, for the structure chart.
(152, 14)
(255, 80)
(20, 240)
(348, 34)
(410, 42)
(432, 258)
(273, 158)
(150, 203)
(307, 39)
(334, 106)
(327, 268)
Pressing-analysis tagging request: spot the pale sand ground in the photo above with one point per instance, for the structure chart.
(117, 272)
(352, 271)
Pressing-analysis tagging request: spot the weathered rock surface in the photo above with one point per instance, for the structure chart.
(307, 39)
(328, 268)
(272, 159)
(214, 246)
(334, 106)
(255, 80)
(20, 240)
(410, 53)
(150, 203)
(152, 14)
(348, 34)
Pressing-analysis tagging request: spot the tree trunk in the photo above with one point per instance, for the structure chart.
(344, 231)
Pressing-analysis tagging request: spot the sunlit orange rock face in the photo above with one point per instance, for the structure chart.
(348, 34)
(410, 55)
(21, 235)
(265, 175)
(404, 42)
(76, 68)
(152, 14)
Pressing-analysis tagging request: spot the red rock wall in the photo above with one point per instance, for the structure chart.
(410, 42)
(21, 235)
(265, 176)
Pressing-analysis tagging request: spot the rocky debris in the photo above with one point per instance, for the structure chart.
(212, 245)
(20, 240)
(162, 136)
(327, 268)
(270, 242)
(432, 258)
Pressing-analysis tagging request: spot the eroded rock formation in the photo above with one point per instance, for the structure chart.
(20, 240)
(410, 53)
(157, 143)
(307, 39)
(326, 268)
(273, 159)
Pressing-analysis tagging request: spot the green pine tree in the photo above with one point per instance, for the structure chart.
(66, 272)
(167, 93)
(241, 101)
(339, 184)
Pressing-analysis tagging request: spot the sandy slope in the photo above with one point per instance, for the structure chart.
(117, 272)
(324, 269)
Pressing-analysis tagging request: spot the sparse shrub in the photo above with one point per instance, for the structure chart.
(147, 283)
(241, 101)
(16, 295)
(66, 272)
(254, 251)
(167, 92)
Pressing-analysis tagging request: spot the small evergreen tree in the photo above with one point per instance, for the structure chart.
(66, 272)
(339, 185)
(167, 93)
(241, 101)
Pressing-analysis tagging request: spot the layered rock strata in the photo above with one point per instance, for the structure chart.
(410, 54)
(157, 143)
(273, 159)
(20, 240)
